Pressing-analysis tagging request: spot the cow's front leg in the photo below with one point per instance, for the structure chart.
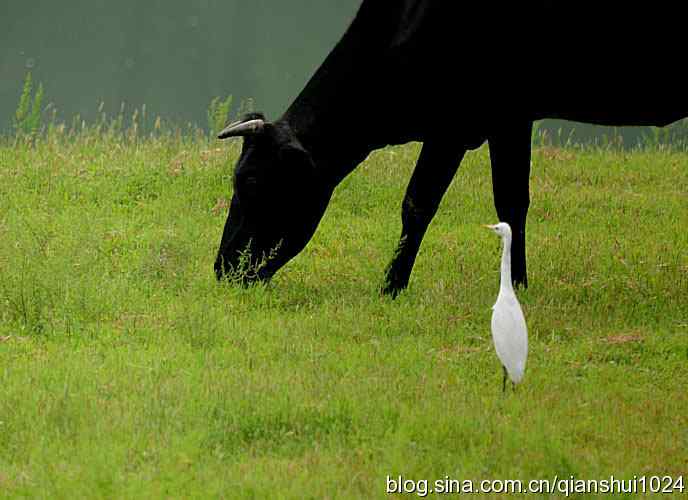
(510, 157)
(434, 171)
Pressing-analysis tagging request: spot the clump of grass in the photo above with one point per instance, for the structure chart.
(218, 114)
(674, 136)
(245, 269)
(126, 125)
(27, 117)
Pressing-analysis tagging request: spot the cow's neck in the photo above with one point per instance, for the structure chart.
(332, 116)
(336, 150)
(329, 118)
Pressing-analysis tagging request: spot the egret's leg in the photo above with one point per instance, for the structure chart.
(510, 157)
(434, 171)
(504, 379)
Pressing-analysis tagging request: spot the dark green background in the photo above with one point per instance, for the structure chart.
(174, 56)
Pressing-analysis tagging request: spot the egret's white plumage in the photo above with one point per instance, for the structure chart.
(509, 331)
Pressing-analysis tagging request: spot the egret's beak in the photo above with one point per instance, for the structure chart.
(488, 226)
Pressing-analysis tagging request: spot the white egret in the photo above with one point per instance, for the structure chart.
(509, 331)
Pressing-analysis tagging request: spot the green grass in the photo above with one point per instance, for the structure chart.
(127, 371)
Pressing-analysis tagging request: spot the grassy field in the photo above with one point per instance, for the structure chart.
(127, 371)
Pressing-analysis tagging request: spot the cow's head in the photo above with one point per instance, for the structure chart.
(278, 200)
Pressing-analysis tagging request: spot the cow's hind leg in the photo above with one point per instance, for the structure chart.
(510, 157)
(434, 171)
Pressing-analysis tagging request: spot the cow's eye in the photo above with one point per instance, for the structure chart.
(242, 180)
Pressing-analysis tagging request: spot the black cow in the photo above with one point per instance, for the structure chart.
(452, 75)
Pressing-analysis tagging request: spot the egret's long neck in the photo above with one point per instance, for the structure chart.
(505, 283)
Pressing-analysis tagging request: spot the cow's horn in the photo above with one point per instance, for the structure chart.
(237, 129)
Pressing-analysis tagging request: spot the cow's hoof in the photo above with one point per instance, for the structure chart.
(520, 283)
(391, 290)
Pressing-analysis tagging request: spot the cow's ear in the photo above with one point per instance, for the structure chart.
(294, 158)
